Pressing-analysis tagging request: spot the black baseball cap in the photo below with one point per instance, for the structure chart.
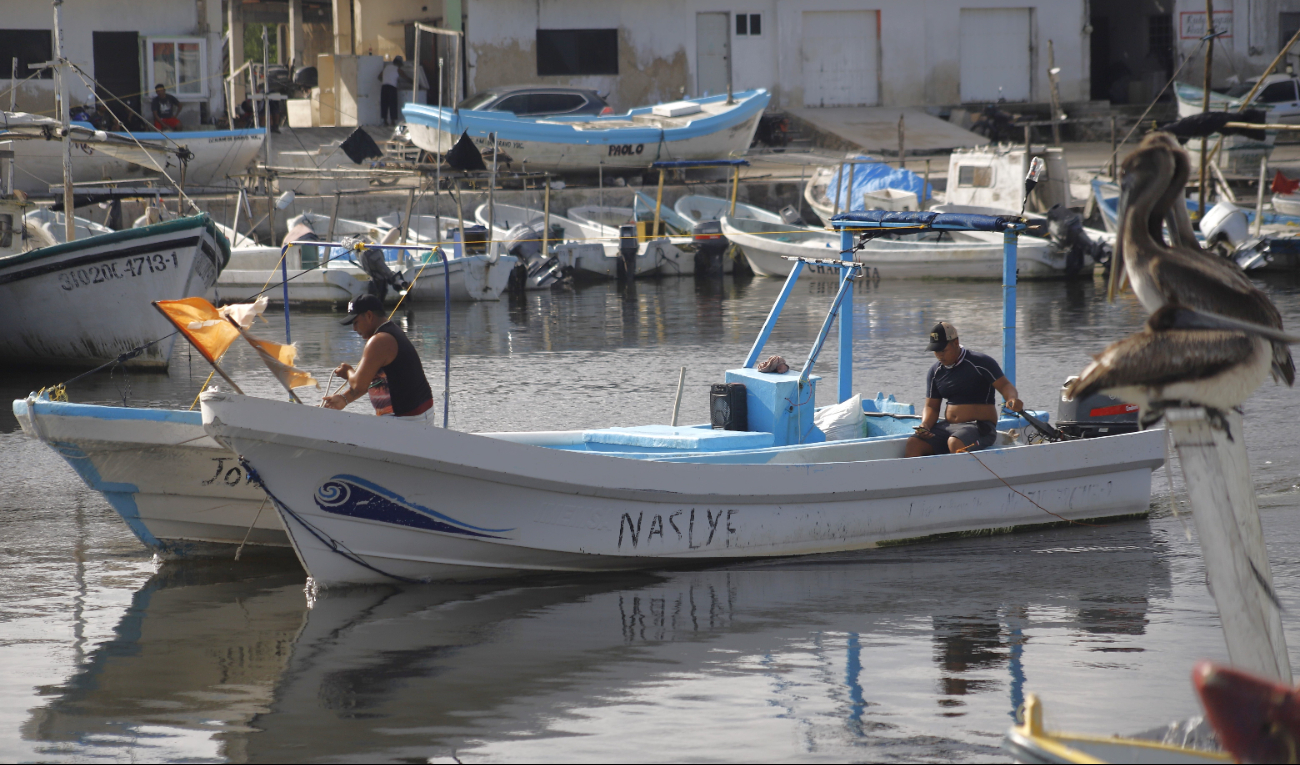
(359, 306)
(940, 335)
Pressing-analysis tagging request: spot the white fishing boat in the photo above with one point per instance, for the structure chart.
(258, 270)
(642, 209)
(588, 250)
(55, 226)
(214, 156)
(86, 302)
(470, 278)
(696, 128)
(368, 499)
(697, 209)
(677, 260)
(929, 255)
(180, 492)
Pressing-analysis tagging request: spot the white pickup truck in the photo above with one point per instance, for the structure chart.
(1280, 96)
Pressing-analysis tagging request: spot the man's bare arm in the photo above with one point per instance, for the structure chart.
(379, 352)
(1003, 385)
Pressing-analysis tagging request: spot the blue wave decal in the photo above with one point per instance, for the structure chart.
(359, 498)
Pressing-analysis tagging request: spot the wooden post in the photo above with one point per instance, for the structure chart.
(839, 185)
(659, 201)
(902, 144)
(1259, 198)
(338, 197)
(1205, 104)
(1114, 148)
(1217, 472)
(677, 402)
(735, 188)
(460, 220)
(853, 168)
(406, 220)
(546, 213)
(923, 202)
(1055, 94)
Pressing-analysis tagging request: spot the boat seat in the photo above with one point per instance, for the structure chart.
(668, 437)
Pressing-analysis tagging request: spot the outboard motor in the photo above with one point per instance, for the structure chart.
(525, 240)
(628, 247)
(1065, 229)
(710, 247)
(1225, 227)
(371, 260)
(1095, 415)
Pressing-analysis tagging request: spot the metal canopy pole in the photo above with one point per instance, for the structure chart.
(69, 212)
(773, 315)
(846, 320)
(1009, 240)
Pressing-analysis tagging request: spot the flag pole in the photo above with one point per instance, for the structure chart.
(214, 364)
(261, 353)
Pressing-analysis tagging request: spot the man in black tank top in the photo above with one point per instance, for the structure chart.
(389, 372)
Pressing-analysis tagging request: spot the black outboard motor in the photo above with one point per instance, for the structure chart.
(1065, 229)
(381, 276)
(710, 247)
(1095, 415)
(628, 247)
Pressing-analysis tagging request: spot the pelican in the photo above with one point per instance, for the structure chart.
(1182, 274)
(1166, 365)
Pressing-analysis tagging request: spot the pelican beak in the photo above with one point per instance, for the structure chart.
(1117, 260)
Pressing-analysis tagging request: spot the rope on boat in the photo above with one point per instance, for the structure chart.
(325, 539)
(1032, 502)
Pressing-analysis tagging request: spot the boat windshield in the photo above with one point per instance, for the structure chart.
(476, 100)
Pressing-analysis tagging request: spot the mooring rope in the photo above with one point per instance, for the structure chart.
(324, 538)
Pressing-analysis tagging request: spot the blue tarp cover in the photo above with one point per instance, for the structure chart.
(870, 174)
(952, 221)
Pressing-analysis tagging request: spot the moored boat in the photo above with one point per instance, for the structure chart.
(369, 501)
(697, 128)
(86, 302)
(697, 208)
(180, 492)
(930, 255)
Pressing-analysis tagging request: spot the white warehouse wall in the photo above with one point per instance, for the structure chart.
(919, 54)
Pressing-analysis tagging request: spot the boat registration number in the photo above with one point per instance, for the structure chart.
(125, 268)
(625, 149)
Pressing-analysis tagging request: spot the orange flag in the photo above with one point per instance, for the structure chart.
(279, 358)
(202, 324)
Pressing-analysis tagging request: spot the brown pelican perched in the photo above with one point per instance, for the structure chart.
(1164, 365)
(1182, 274)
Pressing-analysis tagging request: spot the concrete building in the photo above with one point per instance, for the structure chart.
(126, 47)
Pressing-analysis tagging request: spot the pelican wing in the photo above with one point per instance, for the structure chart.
(1197, 282)
(1154, 359)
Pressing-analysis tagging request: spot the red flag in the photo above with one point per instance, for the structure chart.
(1284, 185)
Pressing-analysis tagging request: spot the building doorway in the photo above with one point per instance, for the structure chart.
(117, 73)
(712, 52)
(839, 51)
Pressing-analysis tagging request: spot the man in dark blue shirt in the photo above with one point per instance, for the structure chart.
(967, 379)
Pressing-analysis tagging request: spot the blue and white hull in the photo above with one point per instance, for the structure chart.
(632, 140)
(370, 499)
(179, 491)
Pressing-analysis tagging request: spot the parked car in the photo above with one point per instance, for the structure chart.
(1280, 93)
(526, 101)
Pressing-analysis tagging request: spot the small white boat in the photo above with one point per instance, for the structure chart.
(472, 278)
(582, 259)
(1029, 741)
(698, 208)
(932, 255)
(692, 129)
(257, 270)
(181, 493)
(216, 156)
(87, 302)
(53, 223)
(1286, 204)
(676, 260)
(370, 499)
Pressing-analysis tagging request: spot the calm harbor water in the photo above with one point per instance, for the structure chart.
(907, 653)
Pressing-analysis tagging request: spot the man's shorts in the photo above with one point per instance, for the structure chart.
(982, 433)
